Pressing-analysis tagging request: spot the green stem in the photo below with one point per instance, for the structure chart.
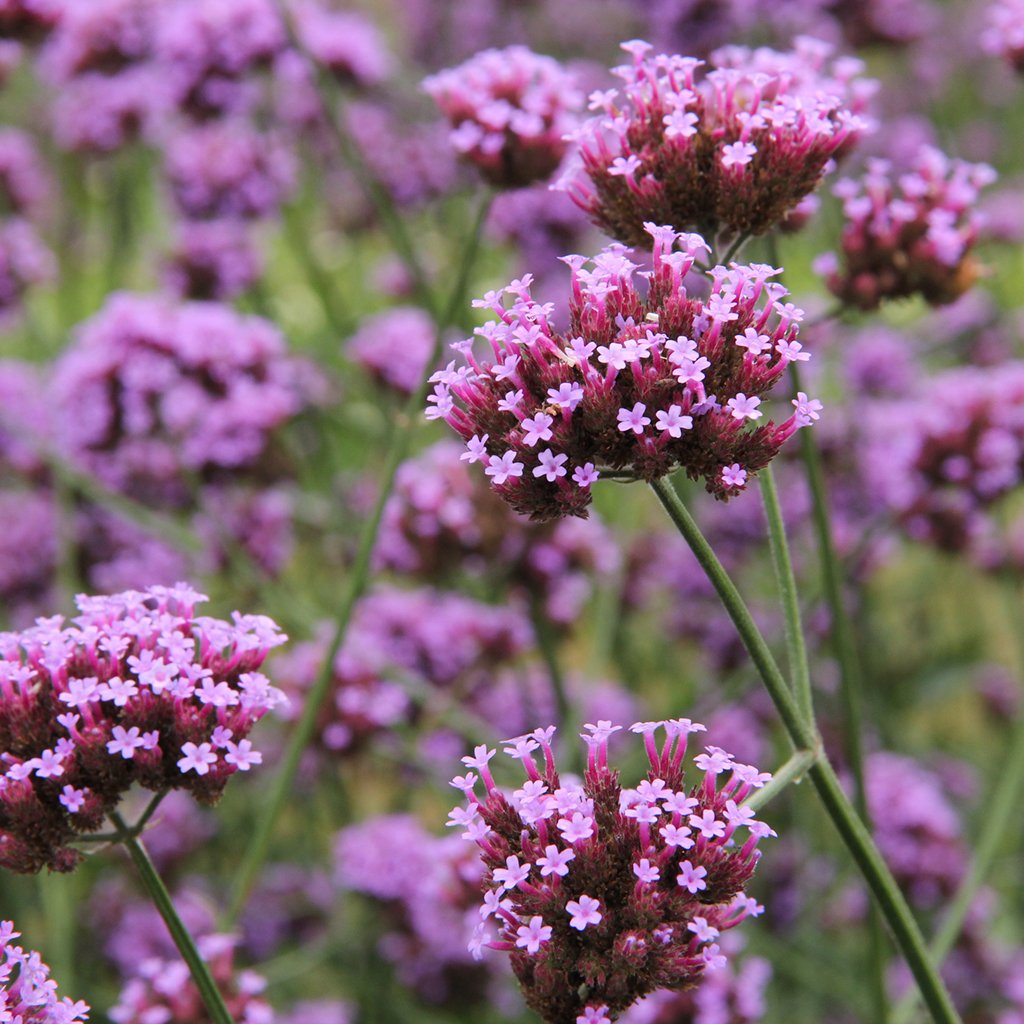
(393, 222)
(793, 770)
(796, 652)
(804, 736)
(734, 248)
(1001, 811)
(546, 644)
(161, 898)
(358, 580)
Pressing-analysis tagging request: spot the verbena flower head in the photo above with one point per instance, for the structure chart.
(442, 520)
(429, 888)
(28, 20)
(212, 260)
(509, 110)
(24, 180)
(137, 690)
(99, 36)
(157, 394)
(394, 347)
(24, 261)
(425, 639)
(637, 384)
(226, 169)
(732, 151)
(941, 466)
(1004, 33)
(163, 990)
(206, 50)
(27, 993)
(909, 233)
(345, 42)
(603, 894)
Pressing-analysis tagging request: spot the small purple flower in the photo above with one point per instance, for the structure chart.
(583, 912)
(28, 995)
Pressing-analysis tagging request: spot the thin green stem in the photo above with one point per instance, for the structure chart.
(804, 736)
(547, 645)
(791, 771)
(796, 651)
(161, 898)
(392, 221)
(734, 248)
(358, 580)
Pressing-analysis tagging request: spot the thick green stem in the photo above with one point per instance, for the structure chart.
(161, 898)
(796, 652)
(804, 736)
(358, 580)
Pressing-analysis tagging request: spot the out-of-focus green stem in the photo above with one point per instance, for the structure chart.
(1001, 812)
(804, 735)
(796, 652)
(161, 898)
(358, 580)
(394, 225)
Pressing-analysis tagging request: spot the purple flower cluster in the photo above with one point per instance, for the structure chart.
(941, 466)
(909, 233)
(24, 179)
(403, 644)
(138, 690)
(732, 152)
(510, 110)
(603, 894)
(227, 169)
(430, 887)
(637, 384)
(156, 393)
(443, 519)
(1004, 33)
(208, 50)
(28, 20)
(27, 993)
(394, 347)
(345, 42)
(916, 827)
(24, 261)
(212, 260)
(163, 990)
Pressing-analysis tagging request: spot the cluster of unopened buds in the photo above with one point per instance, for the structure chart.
(510, 110)
(733, 151)
(907, 234)
(636, 386)
(603, 894)
(138, 690)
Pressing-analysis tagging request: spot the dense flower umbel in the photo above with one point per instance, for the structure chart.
(138, 690)
(27, 994)
(163, 990)
(637, 384)
(1004, 34)
(941, 465)
(733, 151)
(509, 110)
(443, 520)
(155, 395)
(907, 234)
(601, 894)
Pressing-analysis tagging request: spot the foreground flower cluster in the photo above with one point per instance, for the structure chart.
(137, 691)
(638, 384)
(601, 894)
(27, 994)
